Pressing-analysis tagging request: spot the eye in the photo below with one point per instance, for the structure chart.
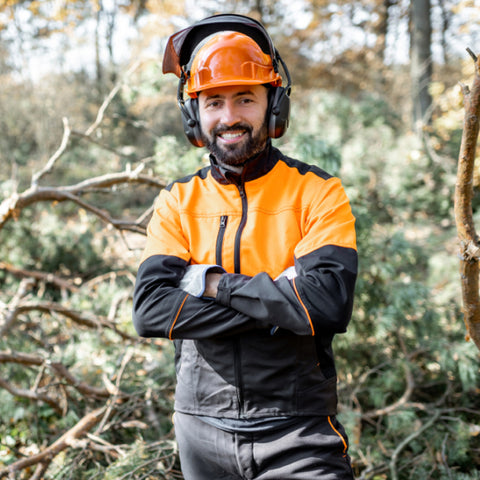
(246, 100)
(212, 104)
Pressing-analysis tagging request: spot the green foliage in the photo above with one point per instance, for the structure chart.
(403, 359)
(41, 242)
(174, 160)
(314, 150)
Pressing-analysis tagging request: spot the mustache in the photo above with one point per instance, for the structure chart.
(221, 128)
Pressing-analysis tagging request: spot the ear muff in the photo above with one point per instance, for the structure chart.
(191, 121)
(278, 114)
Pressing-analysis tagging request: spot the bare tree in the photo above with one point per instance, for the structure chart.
(421, 62)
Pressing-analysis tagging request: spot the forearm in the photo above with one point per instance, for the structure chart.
(318, 300)
(162, 309)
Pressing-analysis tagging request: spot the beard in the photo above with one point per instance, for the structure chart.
(236, 154)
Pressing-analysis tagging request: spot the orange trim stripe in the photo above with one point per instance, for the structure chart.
(345, 446)
(176, 317)
(304, 307)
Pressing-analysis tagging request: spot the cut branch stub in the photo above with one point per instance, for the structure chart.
(469, 244)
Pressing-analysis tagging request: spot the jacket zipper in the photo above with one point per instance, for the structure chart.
(243, 221)
(219, 244)
(237, 266)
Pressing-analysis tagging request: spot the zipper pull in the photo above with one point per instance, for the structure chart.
(219, 243)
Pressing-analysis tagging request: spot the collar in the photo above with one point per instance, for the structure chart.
(255, 167)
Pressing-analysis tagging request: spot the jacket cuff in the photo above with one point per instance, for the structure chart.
(193, 282)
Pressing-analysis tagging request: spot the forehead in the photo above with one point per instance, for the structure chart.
(233, 91)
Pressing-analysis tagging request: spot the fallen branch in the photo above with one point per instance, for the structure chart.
(69, 439)
(406, 441)
(12, 206)
(32, 395)
(50, 307)
(55, 280)
(61, 371)
(469, 246)
(10, 311)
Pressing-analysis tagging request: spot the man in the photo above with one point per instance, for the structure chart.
(250, 267)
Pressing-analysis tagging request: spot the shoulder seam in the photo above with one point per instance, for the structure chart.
(202, 173)
(304, 168)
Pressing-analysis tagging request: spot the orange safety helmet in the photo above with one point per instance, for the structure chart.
(229, 58)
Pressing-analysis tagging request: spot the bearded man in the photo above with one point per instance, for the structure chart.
(249, 267)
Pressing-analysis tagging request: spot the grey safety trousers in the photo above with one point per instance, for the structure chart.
(312, 448)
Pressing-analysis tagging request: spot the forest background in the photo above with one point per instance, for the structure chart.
(89, 134)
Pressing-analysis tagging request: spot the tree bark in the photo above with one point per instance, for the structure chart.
(421, 63)
(469, 245)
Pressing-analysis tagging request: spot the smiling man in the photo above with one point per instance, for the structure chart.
(250, 268)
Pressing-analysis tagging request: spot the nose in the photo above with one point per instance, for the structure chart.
(229, 114)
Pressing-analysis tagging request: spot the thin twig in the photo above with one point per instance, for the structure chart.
(475, 58)
(126, 358)
(51, 162)
(108, 100)
(406, 441)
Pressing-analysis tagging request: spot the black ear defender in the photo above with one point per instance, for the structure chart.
(278, 113)
(190, 116)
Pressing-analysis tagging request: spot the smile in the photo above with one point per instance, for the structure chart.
(231, 136)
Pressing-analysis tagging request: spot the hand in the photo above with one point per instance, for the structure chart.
(211, 284)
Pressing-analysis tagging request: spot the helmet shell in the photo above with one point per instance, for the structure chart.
(230, 58)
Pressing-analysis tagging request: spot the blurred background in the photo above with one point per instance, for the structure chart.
(89, 134)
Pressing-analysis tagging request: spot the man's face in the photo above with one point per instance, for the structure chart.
(233, 121)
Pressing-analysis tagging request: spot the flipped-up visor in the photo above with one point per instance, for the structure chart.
(181, 45)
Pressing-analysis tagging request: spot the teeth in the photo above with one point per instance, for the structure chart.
(231, 136)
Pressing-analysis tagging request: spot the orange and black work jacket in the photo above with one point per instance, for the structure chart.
(262, 347)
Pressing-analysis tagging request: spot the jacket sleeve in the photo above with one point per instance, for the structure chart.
(160, 307)
(320, 298)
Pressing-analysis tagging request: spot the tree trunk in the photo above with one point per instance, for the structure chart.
(467, 235)
(421, 63)
(380, 28)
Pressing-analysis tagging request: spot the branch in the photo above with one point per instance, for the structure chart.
(12, 308)
(21, 358)
(32, 395)
(80, 386)
(62, 372)
(463, 210)
(69, 439)
(11, 207)
(51, 162)
(406, 441)
(108, 100)
(67, 132)
(402, 402)
(58, 282)
(49, 307)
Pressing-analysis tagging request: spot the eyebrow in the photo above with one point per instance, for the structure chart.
(238, 94)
